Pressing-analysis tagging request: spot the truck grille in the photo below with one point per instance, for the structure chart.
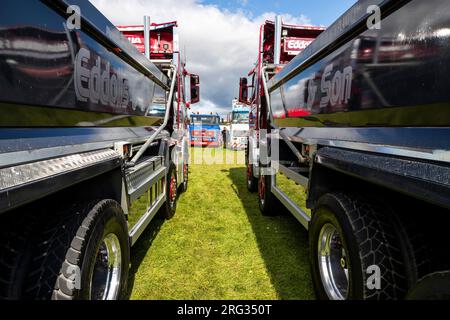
(240, 133)
(205, 133)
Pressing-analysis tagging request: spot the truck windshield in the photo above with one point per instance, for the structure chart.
(204, 120)
(240, 117)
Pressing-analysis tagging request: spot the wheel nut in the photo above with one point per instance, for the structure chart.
(343, 263)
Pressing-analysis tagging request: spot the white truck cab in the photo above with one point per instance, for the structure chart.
(236, 133)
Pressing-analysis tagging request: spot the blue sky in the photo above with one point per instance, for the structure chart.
(322, 12)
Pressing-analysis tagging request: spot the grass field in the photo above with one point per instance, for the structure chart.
(218, 246)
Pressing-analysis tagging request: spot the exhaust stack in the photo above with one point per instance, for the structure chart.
(147, 36)
(277, 44)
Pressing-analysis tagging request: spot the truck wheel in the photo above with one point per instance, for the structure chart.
(184, 185)
(416, 248)
(252, 182)
(352, 247)
(83, 254)
(170, 205)
(15, 254)
(268, 204)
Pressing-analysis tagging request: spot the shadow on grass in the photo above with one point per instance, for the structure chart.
(283, 244)
(140, 249)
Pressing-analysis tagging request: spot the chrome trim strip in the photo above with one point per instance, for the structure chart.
(433, 155)
(20, 157)
(26, 156)
(27, 173)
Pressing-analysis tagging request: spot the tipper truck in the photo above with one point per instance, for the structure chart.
(93, 144)
(352, 137)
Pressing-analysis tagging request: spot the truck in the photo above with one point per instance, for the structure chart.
(284, 42)
(352, 138)
(235, 135)
(205, 130)
(93, 146)
(164, 39)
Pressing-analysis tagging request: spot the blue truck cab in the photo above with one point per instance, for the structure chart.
(204, 130)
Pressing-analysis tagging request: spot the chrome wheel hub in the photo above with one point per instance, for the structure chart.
(106, 274)
(333, 263)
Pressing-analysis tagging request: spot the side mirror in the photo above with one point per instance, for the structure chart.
(195, 89)
(243, 90)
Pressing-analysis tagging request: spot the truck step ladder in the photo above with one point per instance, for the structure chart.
(147, 175)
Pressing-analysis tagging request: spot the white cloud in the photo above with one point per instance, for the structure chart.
(220, 45)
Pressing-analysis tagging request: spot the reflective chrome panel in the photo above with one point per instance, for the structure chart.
(28, 173)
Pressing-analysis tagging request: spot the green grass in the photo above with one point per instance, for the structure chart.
(218, 246)
(294, 191)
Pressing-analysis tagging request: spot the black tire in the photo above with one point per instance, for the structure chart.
(416, 249)
(67, 248)
(434, 286)
(185, 184)
(368, 237)
(268, 203)
(252, 182)
(15, 254)
(170, 205)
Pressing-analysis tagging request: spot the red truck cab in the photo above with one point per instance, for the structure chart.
(290, 40)
(278, 44)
